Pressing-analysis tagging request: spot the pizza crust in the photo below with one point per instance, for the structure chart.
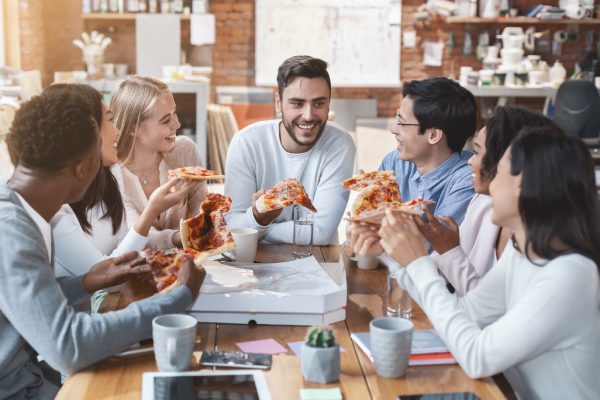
(181, 173)
(376, 216)
(198, 178)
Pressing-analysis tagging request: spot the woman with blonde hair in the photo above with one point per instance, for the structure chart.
(144, 112)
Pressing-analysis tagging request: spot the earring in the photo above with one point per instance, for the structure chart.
(114, 144)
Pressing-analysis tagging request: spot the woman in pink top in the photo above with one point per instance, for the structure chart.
(463, 255)
(144, 111)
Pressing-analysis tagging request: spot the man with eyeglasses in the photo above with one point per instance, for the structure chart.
(435, 119)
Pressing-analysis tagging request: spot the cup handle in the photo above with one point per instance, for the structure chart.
(172, 351)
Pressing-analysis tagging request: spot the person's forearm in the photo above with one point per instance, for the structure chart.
(145, 221)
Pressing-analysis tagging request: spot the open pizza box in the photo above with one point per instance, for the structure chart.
(299, 292)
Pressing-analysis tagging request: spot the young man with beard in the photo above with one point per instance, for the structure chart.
(300, 145)
(435, 119)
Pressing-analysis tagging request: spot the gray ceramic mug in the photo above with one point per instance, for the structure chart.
(391, 340)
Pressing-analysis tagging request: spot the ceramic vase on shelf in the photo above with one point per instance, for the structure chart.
(489, 8)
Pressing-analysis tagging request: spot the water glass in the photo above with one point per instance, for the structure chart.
(303, 232)
(398, 300)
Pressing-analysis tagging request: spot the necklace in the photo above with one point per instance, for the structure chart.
(143, 177)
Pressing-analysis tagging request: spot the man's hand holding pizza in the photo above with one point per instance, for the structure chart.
(266, 217)
(115, 271)
(191, 276)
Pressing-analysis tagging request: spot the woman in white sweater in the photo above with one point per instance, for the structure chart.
(536, 315)
(464, 255)
(95, 227)
(144, 112)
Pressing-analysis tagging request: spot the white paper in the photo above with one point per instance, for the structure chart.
(409, 39)
(433, 53)
(304, 276)
(202, 29)
(228, 276)
(158, 44)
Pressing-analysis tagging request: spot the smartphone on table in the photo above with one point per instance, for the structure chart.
(236, 359)
(441, 396)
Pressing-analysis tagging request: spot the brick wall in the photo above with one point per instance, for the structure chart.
(31, 36)
(48, 26)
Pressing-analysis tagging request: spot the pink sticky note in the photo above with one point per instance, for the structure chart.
(269, 346)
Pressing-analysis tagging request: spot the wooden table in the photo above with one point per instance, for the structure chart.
(121, 377)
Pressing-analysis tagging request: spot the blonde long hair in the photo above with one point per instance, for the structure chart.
(131, 104)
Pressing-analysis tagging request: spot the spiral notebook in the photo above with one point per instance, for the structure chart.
(427, 347)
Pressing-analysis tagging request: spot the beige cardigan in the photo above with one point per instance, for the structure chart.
(184, 154)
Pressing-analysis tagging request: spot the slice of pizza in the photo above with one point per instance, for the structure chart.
(379, 178)
(284, 194)
(166, 263)
(376, 214)
(372, 196)
(207, 232)
(194, 173)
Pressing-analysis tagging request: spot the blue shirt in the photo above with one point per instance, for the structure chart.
(449, 184)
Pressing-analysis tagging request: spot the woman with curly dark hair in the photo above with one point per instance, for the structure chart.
(464, 254)
(535, 316)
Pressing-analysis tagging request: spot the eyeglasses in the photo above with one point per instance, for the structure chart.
(400, 123)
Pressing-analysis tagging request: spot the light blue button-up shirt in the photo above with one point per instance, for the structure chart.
(449, 184)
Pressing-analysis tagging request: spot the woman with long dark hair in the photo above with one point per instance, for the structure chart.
(535, 316)
(95, 227)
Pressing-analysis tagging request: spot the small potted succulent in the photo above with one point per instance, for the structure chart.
(320, 356)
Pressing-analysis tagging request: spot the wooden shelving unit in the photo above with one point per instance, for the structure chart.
(521, 21)
(121, 16)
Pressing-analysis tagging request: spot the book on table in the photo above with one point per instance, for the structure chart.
(427, 347)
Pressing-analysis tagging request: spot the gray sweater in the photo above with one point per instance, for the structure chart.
(36, 316)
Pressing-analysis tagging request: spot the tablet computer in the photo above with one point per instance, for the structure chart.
(235, 384)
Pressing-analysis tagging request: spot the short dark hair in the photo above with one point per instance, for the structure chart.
(442, 103)
(501, 128)
(104, 188)
(301, 66)
(53, 129)
(558, 201)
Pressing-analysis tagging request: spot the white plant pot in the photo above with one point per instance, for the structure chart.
(320, 365)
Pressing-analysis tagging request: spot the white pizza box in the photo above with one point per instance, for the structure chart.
(299, 292)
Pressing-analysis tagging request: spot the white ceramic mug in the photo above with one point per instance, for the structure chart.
(174, 336)
(391, 339)
(246, 242)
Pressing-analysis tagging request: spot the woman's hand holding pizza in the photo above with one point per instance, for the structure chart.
(441, 237)
(165, 196)
(171, 193)
(401, 238)
(264, 218)
(364, 239)
(114, 271)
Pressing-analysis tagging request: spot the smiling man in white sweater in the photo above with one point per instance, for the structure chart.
(301, 145)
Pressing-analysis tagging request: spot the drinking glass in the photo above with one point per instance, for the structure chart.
(303, 232)
(398, 300)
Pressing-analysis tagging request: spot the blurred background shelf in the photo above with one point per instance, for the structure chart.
(121, 16)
